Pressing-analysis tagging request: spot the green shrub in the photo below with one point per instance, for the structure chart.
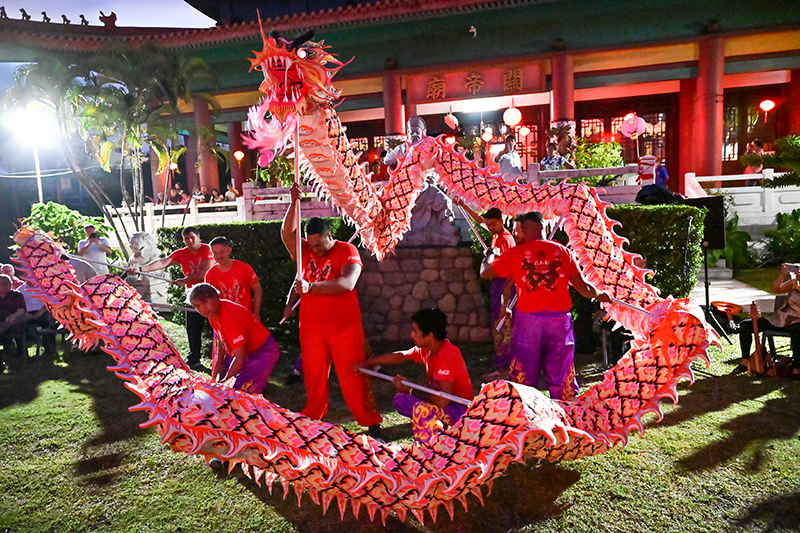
(662, 235)
(258, 244)
(784, 243)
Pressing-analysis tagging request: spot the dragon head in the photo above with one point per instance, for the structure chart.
(296, 73)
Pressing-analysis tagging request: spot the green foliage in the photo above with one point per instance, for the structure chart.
(258, 244)
(736, 252)
(281, 169)
(786, 157)
(670, 245)
(596, 155)
(784, 241)
(65, 223)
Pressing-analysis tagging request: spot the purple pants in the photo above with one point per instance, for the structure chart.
(427, 419)
(502, 338)
(254, 375)
(545, 341)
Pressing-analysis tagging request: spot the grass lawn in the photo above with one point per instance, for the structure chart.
(74, 459)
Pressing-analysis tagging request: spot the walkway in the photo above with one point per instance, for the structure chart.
(734, 291)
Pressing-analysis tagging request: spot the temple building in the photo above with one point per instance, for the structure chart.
(696, 71)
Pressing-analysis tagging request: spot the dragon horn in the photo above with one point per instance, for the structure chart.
(297, 41)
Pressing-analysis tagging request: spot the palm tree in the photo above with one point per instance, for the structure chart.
(135, 102)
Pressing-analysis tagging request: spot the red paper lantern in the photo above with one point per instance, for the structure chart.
(767, 105)
(451, 120)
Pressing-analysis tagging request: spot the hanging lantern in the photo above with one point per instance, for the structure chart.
(512, 116)
(524, 131)
(767, 106)
(487, 134)
(451, 120)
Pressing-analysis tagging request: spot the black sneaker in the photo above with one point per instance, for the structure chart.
(293, 378)
(374, 431)
(199, 367)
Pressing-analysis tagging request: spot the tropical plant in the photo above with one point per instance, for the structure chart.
(133, 102)
(590, 154)
(784, 240)
(786, 156)
(281, 169)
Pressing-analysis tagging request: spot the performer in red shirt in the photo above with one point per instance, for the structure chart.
(500, 290)
(330, 318)
(446, 372)
(235, 280)
(542, 335)
(250, 351)
(195, 259)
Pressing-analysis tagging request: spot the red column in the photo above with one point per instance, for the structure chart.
(562, 103)
(190, 179)
(209, 175)
(686, 152)
(793, 102)
(709, 107)
(240, 170)
(393, 103)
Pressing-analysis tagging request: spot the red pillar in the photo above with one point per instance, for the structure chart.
(562, 103)
(240, 170)
(709, 107)
(190, 179)
(209, 174)
(793, 102)
(393, 103)
(686, 152)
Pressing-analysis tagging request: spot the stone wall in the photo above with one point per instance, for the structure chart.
(444, 277)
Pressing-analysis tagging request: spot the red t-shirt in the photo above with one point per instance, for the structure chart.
(234, 285)
(329, 312)
(192, 262)
(541, 270)
(237, 326)
(503, 241)
(446, 365)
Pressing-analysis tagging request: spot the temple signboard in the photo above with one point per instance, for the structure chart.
(475, 83)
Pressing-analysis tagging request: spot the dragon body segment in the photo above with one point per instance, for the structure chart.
(505, 423)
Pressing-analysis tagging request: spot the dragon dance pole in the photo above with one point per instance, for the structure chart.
(299, 244)
(127, 269)
(456, 399)
(175, 307)
(629, 306)
(473, 228)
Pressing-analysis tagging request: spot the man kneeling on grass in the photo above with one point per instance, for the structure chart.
(250, 352)
(446, 372)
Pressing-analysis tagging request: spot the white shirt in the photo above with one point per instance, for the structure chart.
(511, 166)
(94, 253)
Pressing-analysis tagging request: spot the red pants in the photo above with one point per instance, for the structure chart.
(343, 348)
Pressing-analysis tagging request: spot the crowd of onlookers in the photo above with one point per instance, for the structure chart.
(199, 195)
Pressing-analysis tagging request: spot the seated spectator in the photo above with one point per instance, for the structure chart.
(8, 269)
(12, 310)
(38, 317)
(250, 352)
(445, 369)
(785, 319)
(554, 160)
(174, 197)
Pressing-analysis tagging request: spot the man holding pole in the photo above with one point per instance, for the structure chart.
(429, 412)
(543, 337)
(330, 318)
(500, 289)
(195, 259)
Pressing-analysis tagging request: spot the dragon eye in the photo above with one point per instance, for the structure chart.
(302, 54)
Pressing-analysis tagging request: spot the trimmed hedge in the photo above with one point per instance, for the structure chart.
(662, 235)
(258, 244)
